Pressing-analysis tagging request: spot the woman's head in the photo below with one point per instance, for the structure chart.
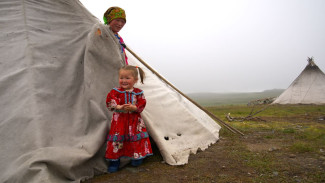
(115, 17)
(128, 76)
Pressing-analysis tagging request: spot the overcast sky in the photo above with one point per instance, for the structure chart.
(223, 45)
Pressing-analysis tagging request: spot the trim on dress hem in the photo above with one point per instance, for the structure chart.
(142, 157)
(131, 138)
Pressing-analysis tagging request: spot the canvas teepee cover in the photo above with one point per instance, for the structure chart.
(57, 64)
(307, 88)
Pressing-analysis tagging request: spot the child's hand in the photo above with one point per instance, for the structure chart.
(129, 107)
(119, 107)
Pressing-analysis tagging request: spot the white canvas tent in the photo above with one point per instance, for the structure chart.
(307, 88)
(57, 64)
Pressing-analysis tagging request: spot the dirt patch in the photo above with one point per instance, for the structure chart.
(236, 159)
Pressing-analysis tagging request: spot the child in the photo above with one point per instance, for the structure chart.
(128, 136)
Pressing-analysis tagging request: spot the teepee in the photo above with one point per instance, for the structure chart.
(307, 88)
(57, 64)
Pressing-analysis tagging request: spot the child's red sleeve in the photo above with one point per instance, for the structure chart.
(141, 103)
(111, 100)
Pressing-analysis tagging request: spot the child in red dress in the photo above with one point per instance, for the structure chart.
(128, 136)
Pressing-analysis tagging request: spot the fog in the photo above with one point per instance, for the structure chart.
(223, 45)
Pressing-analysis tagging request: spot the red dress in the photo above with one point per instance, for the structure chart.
(128, 135)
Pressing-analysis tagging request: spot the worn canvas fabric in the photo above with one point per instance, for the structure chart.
(57, 64)
(177, 126)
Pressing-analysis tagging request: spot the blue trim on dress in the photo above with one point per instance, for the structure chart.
(119, 40)
(130, 95)
(142, 157)
(131, 138)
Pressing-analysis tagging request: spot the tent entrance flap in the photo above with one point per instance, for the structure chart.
(57, 66)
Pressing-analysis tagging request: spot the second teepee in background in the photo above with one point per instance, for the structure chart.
(307, 88)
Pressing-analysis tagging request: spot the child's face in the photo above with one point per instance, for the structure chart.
(126, 79)
(117, 24)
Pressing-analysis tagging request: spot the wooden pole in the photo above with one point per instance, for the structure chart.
(232, 129)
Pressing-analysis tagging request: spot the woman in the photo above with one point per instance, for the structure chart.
(116, 19)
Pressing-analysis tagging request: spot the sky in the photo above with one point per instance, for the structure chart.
(223, 45)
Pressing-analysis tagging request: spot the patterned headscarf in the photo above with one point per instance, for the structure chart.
(114, 13)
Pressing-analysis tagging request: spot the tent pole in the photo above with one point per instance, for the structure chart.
(232, 129)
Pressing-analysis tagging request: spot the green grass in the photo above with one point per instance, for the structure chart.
(306, 127)
(270, 111)
(301, 147)
(296, 127)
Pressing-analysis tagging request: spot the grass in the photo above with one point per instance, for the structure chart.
(272, 110)
(306, 127)
(288, 147)
(296, 128)
(301, 147)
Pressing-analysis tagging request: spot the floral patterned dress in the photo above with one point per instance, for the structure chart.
(128, 135)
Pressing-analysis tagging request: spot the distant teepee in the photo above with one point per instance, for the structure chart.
(307, 88)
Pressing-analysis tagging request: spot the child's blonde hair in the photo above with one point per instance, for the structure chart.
(135, 72)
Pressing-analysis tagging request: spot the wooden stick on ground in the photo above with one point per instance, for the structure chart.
(249, 117)
(232, 129)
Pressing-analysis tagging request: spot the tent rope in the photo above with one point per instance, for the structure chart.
(230, 128)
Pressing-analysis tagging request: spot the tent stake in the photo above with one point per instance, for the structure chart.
(232, 129)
